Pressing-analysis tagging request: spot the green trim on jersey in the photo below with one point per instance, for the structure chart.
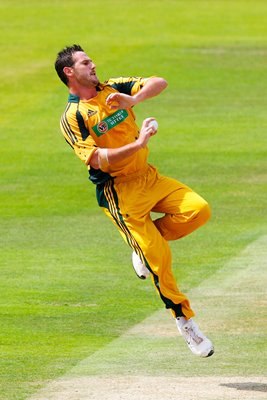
(84, 131)
(124, 87)
(97, 176)
(73, 98)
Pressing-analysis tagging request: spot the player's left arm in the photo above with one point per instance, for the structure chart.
(151, 87)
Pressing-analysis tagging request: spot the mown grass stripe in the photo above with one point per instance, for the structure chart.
(152, 352)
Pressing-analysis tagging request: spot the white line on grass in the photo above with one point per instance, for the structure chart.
(150, 361)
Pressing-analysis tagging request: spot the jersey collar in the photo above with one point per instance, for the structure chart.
(73, 98)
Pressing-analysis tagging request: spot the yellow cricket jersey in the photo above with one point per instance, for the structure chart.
(89, 124)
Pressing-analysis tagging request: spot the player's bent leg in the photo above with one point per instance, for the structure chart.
(190, 213)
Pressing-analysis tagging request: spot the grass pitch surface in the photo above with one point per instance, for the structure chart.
(150, 361)
(67, 287)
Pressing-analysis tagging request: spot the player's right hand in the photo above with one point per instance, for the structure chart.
(146, 132)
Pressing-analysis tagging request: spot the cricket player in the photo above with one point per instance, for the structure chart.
(99, 124)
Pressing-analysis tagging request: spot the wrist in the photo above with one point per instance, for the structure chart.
(136, 99)
(139, 144)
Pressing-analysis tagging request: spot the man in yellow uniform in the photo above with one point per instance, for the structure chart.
(99, 124)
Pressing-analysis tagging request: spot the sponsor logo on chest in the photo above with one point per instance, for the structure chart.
(110, 122)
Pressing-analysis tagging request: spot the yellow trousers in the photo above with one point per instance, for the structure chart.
(128, 201)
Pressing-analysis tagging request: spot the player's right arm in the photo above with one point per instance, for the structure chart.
(86, 149)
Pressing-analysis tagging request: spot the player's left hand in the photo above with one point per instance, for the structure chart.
(118, 101)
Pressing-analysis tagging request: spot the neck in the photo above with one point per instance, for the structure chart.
(84, 93)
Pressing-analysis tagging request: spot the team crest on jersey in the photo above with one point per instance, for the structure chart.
(91, 112)
(102, 127)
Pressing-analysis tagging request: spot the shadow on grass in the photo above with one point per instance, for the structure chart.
(252, 386)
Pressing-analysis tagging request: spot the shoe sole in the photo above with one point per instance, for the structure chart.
(141, 276)
(146, 273)
(210, 353)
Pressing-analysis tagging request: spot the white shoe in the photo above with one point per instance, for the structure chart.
(140, 269)
(198, 343)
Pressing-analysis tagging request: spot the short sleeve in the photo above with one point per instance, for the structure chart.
(130, 85)
(83, 145)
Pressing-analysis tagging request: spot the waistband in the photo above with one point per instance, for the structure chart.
(130, 177)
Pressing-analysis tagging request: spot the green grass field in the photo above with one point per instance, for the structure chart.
(67, 287)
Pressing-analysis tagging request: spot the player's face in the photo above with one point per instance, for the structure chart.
(84, 70)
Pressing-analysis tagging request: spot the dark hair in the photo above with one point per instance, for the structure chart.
(65, 59)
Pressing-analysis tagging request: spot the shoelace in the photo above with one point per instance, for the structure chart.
(193, 335)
